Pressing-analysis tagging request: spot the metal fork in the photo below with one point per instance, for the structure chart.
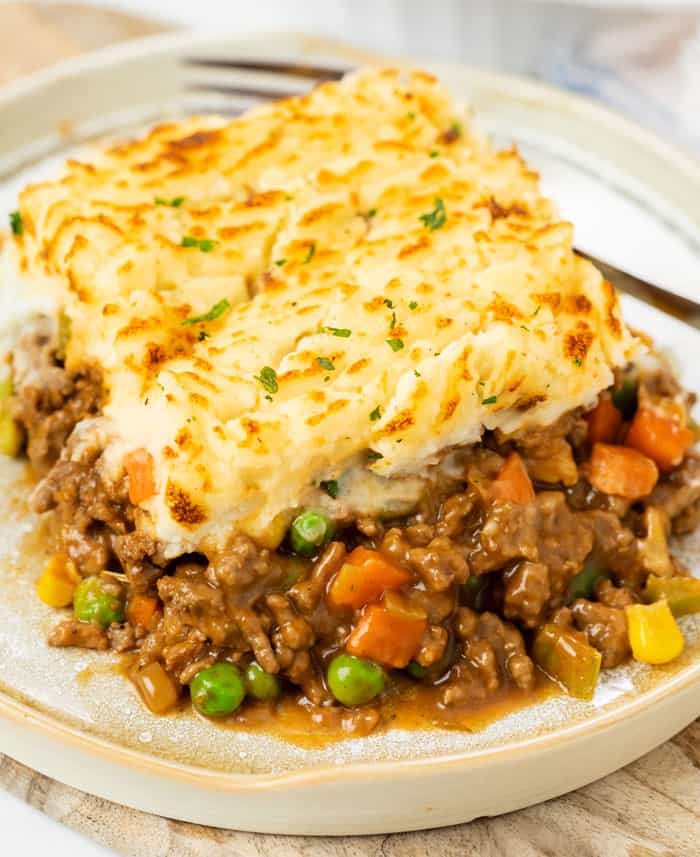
(256, 80)
(237, 84)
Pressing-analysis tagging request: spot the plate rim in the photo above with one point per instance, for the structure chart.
(25, 715)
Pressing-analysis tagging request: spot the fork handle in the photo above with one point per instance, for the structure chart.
(676, 305)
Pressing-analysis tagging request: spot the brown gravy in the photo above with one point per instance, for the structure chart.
(406, 706)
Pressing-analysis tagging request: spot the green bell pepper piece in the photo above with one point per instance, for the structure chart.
(624, 398)
(583, 584)
(682, 593)
(564, 656)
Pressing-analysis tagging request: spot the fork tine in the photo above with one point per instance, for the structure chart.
(306, 70)
(246, 91)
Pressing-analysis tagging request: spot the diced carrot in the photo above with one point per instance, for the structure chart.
(659, 437)
(622, 471)
(513, 482)
(142, 609)
(604, 420)
(139, 469)
(388, 634)
(364, 578)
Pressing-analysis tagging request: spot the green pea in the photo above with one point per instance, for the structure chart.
(260, 684)
(309, 531)
(353, 680)
(100, 600)
(217, 690)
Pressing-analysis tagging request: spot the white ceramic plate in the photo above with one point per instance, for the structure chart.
(70, 715)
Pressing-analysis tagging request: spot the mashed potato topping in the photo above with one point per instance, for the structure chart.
(352, 282)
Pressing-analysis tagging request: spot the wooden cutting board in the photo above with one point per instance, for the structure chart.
(649, 809)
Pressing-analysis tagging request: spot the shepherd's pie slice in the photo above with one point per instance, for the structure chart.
(327, 291)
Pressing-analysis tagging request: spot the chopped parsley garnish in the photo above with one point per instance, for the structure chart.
(578, 361)
(410, 115)
(331, 488)
(203, 335)
(482, 383)
(327, 378)
(490, 401)
(280, 262)
(388, 303)
(436, 218)
(342, 332)
(435, 154)
(214, 313)
(539, 307)
(175, 202)
(268, 378)
(206, 245)
(417, 373)
(16, 223)
(376, 414)
(413, 305)
(392, 323)
(372, 212)
(310, 254)
(374, 456)
(454, 132)
(325, 363)
(525, 327)
(395, 344)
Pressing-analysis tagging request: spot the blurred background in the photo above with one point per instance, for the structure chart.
(642, 58)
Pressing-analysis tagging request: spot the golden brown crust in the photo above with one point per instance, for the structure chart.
(406, 285)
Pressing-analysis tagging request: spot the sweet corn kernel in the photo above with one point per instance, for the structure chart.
(57, 582)
(10, 435)
(653, 633)
(6, 388)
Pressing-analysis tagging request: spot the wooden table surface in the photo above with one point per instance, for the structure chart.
(649, 809)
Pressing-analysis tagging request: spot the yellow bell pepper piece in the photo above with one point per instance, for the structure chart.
(58, 581)
(654, 636)
(653, 548)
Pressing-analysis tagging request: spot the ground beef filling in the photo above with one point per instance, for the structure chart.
(486, 573)
(50, 400)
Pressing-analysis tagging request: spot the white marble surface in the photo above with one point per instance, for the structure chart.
(26, 831)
